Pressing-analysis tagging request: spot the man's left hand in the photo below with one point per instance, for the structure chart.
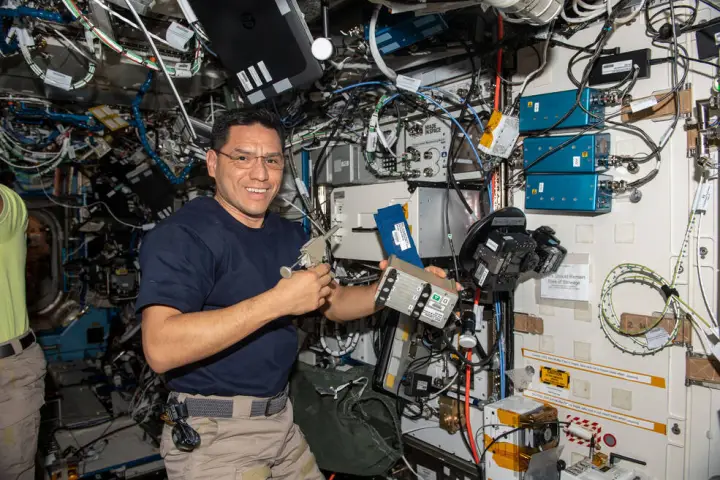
(437, 271)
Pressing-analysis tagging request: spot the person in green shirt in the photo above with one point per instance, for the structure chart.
(22, 363)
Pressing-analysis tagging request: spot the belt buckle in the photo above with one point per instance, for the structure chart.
(268, 404)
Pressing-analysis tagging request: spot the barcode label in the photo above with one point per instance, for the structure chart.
(264, 71)
(255, 76)
(242, 76)
(400, 237)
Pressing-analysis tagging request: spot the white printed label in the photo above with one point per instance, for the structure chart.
(717, 38)
(481, 274)
(425, 473)
(504, 136)
(617, 67)
(407, 83)
(57, 79)
(541, 187)
(571, 282)
(178, 36)
(242, 76)
(433, 315)
(422, 385)
(371, 144)
(657, 338)
(704, 198)
(491, 245)
(435, 306)
(264, 71)
(400, 237)
(255, 76)
(301, 187)
(576, 162)
(182, 70)
(643, 104)
(537, 107)
(552, 390)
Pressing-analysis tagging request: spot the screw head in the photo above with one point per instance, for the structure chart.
(635, 196)
(703, 252)
(676, 429)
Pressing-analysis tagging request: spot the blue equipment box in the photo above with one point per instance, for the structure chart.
(582, 192)
(406, 32)
(586, 154)
(539, 112)
(85, 337)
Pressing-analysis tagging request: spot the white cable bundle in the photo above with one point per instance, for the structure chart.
(533, 12)
(589, 11)
(40, 73)
(345, 346)
(387, 71)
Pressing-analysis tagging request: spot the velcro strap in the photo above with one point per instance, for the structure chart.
(223, 408)
(209, 407)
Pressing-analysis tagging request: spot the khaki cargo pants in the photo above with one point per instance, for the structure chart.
(22, 393)
(242, 448)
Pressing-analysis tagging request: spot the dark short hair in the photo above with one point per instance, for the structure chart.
(239, 118)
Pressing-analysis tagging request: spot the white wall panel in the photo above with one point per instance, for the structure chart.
(649, 233)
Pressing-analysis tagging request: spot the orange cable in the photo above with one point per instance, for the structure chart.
(332, 477)
(498, 80)
(471, 437)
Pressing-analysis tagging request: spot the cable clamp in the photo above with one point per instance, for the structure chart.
(669, 291)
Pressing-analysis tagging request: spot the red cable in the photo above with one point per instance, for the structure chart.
(498, 80)
(471, 437)
(332, 477)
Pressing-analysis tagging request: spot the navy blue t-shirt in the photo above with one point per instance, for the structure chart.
(200, 259)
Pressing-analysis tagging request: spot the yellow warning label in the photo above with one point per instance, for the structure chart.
(530, 104)
(390, 380)
(487, 139)
(405, 210)
(554, 377)
(585, 154)
(534, 191)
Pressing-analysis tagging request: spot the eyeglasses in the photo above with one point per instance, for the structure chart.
(245, 161)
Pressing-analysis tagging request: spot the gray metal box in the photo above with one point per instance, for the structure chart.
(345, 165)
(352, 208)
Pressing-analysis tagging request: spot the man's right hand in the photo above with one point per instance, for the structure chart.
(305, 291)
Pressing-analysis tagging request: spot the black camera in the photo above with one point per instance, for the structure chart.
(499, 249)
